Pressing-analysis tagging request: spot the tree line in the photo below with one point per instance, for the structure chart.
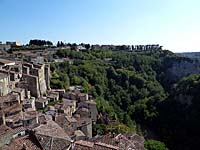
(40, 42)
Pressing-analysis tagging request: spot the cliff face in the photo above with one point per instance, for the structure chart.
(182, 68)
(175, 68)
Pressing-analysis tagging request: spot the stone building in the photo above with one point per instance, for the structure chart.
(85, 125)
(30, 118)
(37, 78)
(5, 47)
(13, 44)
(88, 107)
(12, 116)
(9, 100)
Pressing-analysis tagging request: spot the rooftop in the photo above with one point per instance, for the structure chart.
(79, 133)
(8, 98)
(119, 140)
(19, 129)
(41, 100)
(52, 129)
(13, 108)
(5, 130)
(14, 118)
(29, 115)
(85, 145)
(23, 143)
(52, 143)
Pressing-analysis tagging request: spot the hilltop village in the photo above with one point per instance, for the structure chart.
(34, 116)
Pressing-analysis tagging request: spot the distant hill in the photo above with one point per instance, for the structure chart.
(190, 54)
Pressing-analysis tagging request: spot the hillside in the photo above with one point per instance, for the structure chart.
(144, 90)
(190, 54)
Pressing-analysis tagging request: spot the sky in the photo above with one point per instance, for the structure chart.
(175, 24)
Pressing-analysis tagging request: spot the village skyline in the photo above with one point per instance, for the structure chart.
(173, 24)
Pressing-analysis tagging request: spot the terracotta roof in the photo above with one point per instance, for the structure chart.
(19, 129)
(107, 146)
(84, 143)
(5, 130)
(8, 98)
(60, 120)
(21, 143)
(52, 129)
(13, 108)
(14, 118)
(120, 141)
(70, 131)
(29, 115)
(52, 143)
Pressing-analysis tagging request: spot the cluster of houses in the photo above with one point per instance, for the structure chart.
(83, 47)
(33, 116)
(8, 45)
(128, 47)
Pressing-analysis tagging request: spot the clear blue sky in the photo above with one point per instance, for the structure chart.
(175, 24)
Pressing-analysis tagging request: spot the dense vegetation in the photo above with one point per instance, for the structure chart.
(135, 89)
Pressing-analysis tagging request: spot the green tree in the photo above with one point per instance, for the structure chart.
(154, 145)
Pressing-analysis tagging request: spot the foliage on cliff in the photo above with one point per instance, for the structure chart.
(179, 119)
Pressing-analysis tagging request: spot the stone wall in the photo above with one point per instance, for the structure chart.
(42, 81)
(32, 85)
(47, 76)
(87, 130)
(4, 85)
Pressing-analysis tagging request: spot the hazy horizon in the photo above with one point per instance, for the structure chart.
(172, 24)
